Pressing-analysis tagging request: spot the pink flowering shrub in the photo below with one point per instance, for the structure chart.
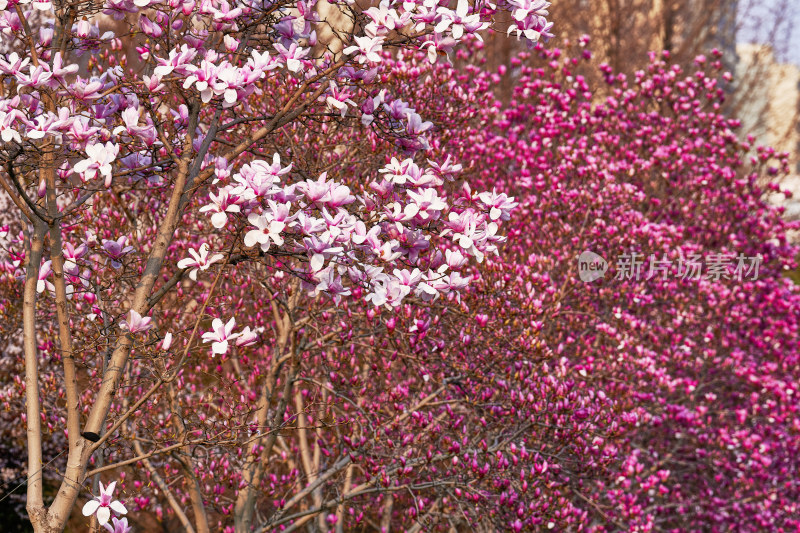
(679, 395)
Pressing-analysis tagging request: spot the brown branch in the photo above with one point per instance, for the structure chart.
(173, 502)
(141, 457)
(16, 199)
(173, 373)
(41, 215)
(195, 492)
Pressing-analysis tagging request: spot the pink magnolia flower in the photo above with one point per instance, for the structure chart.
(416, 126)
(14, 64)
(131, 118)
(339, 195)
(119, 525)
(330, 282)
(318, 250)
(220, 205)
(385, 19)
(231, 43)
(149, 27)
(500, 205)
(427, 205)
(203, 78)
(38, 77)
(447, 169)
(80, 130)
(247, 336)
(59, 70)
(40, 126)
(229, 81)
(407, 281)
(339, 98)
(369, 49)
(42, 283)
(220, 335)
(529, 19)
(99, 160)
(180, 60)
(101, 507)
(464, 227)
(116, 249)
(458, 20)
(136, 323)
(200, 261)
(267, 230)
(455, 259)
(166, 342)
(7, 131)
(72, 255)
(293, 56)
(316, 191)
(369, 106)
(153, 84)
(86, 89)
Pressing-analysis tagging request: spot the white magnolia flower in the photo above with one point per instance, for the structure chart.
(267, 230)
(136, 323)
(220, 206)
(100, 158)
(220, 335)
(102, 506)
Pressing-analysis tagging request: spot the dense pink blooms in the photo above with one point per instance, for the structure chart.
(399, 250)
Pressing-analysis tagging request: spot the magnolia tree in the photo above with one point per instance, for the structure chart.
(212, 204)
(256, 276)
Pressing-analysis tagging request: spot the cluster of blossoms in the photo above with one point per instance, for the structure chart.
(111, 252)
(353, 240)
(210, 72)
(222, 333)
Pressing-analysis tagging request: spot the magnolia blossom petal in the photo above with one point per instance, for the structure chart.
(167, 342)
(317, 261)
(219, 219)
(220, 347)
(90, 507)
(186, 263)
(252, 238)
(229, 326)
(117, 507)
(103, 514)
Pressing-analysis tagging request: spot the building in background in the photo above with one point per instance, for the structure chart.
(768, 92)
(765, 93)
